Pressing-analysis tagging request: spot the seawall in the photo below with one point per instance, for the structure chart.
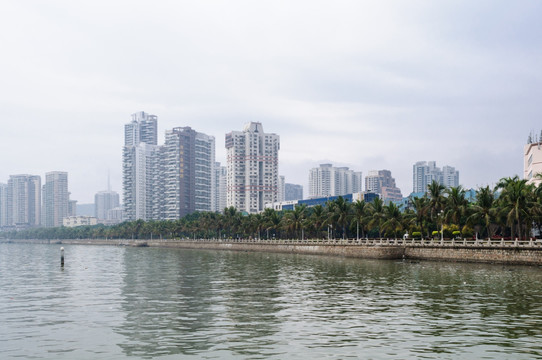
(514, 253)
(502, 255)
(357, 251)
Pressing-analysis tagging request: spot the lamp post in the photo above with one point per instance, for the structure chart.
(442, 227)
(357, 231)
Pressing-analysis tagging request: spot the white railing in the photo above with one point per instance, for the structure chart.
(409, 242)
(493, 243)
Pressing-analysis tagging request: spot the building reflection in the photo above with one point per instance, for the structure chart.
(188, 302)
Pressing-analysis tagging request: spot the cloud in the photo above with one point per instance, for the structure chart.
(369, 85)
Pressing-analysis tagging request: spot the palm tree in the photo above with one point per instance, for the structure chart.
(361, 212)
(436, 199)
(271, 219)
(376, 212)
(421, 208)
(317, 218)
(232, 220)
(250, 225)
(484, 210)
(341, 213)
(455, 205)
(295, 219)
(392, 219)
(536, 209)
(514, 203)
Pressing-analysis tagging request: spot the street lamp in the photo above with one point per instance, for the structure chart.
(357, 231)
(442, 227)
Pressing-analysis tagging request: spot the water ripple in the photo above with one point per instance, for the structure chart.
(110, 303)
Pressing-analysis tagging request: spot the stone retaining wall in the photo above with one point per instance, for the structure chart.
(368, 252)
(473, 254)
(459, 253)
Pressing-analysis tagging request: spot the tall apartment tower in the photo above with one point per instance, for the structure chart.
(381, 182)
(347, 181)
(282, 188)
(55, 198)
(188, 161)
(450, 176)
(140, 158)
(219, 188)
(252, 158)
(104, 201)
(327, 180)
(293, 192)
(425, 172)
(142, 129)
(320, 181)
(72, 207)
(24, 201)
(3, 205)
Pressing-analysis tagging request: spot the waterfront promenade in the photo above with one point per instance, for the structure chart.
(501, 251)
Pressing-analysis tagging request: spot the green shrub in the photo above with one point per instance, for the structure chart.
(467, 231)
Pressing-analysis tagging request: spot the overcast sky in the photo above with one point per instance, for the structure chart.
(369, 85)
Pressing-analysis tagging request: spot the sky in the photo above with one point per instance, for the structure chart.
(365, 84)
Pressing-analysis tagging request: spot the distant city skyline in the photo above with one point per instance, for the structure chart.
(364, 85)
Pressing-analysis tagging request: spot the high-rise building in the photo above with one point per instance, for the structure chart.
(327, 180)
(450, 177)
(72, 207)
(252, 158)
(105, 201)
(3, 205)
(381, 182)
(140, 167)
(373, 182)
(425, 172)
(142, 129)
(282, 188)
(115, 215)
(187, 165)
(293, 192)
(219, 202)
(55, 198)
(24, 201)
(320, 181)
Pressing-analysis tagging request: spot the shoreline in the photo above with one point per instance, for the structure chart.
(479, 252)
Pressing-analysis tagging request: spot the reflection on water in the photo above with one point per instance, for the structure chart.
(188, 302)
(161, 303)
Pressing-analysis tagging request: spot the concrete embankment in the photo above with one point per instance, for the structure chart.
(511, 255)
(357, 251)
(502, 255)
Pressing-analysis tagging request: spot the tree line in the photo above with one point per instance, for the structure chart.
(512, 209)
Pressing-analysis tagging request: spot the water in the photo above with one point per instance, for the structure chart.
(143, 303)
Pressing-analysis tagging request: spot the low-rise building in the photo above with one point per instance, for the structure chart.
(291, 204)
(532, 162)
(74, 221)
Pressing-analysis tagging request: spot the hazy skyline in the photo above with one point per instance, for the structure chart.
(369, 85)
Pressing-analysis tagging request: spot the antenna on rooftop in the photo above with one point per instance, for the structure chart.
(108, 180)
